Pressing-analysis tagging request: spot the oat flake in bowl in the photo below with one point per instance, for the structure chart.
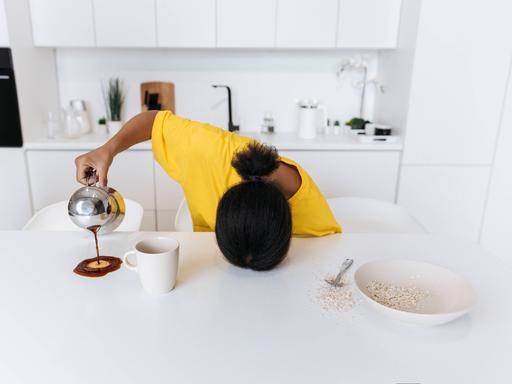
(414, 291)
(403, 298)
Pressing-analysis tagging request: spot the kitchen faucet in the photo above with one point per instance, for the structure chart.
(231, 126)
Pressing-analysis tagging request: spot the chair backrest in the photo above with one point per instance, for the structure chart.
(363, 215)
(55, 217)
(183, 219)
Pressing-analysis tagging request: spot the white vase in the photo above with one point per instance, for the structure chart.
(114, 127)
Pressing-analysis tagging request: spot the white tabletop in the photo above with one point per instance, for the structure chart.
(223, 324)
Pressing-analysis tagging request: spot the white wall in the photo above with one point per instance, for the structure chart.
(452, 115)
(4, 34)
(34, 68)
(447, 200)
(261, 80)
(497, 227)
(395, 71)
(459, 79)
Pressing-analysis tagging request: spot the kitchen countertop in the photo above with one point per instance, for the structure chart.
(223, 324)
(282, 141)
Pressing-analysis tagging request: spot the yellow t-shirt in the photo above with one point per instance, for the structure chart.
(198, 156)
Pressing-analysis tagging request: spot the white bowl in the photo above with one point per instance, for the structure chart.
(450, 296)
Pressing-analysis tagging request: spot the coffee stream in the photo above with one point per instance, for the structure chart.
(100, 265)
(94, 229)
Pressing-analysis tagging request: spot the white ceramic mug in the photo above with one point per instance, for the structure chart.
(156, 263)
(369, 129)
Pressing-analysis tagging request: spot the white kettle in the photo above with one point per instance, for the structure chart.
(312, 118)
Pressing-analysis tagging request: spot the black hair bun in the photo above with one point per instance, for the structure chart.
(255, 161)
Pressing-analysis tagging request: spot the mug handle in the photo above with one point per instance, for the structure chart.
(127, 263)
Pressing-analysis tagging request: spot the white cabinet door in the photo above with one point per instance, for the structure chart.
(497, 231)
(15, 209)
(189, 23)
(446, 200)
(306, 23)
(165, 220)
(168, 197)
(148, 221)
(52, 176)
(125, 23)
(62, 23)
(132, 174)
(168, 192)
(246, 23)
(361, 174)
(4, 35)
(458, 82)
(368, 23)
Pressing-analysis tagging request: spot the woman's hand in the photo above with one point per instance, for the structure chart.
(92, 167)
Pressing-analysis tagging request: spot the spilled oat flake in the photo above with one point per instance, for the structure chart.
(336, 299)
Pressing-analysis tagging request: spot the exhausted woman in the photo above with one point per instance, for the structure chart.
(252, 198)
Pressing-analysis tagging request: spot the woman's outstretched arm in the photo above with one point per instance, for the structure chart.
(136, 130)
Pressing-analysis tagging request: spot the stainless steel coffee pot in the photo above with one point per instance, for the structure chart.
(92, 206)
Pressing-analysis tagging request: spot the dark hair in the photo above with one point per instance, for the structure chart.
(254, 223)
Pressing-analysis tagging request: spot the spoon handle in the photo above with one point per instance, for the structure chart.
(346, 265)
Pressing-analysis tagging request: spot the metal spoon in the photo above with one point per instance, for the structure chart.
(344, 267)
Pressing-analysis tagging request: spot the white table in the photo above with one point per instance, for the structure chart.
(223, 324)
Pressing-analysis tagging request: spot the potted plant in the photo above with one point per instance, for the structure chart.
(114, 100)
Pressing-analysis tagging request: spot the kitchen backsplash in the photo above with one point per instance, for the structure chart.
(260, 80)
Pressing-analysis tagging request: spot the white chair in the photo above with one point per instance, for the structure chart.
(55, 217)
(363, 215)
(183, 220)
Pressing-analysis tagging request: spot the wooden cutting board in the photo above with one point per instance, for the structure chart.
(165, 91)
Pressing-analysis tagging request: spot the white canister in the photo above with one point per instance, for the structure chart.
(72, 124)
(308, 120)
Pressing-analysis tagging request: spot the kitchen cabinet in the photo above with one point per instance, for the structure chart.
(306, 23)
(366, 173)
(368, 23)
(246, 23)
(351, 173)
(148, 221)
(14, 193)
(215, 23)
(458, 82)
(446, 200)
(4, 35)
(165, 220)
(497, 231)
(188, 23)
(62, 23)
(125, 23)
(52, 176)
(168, 194)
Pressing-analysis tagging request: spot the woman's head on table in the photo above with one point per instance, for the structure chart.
(253, 224)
